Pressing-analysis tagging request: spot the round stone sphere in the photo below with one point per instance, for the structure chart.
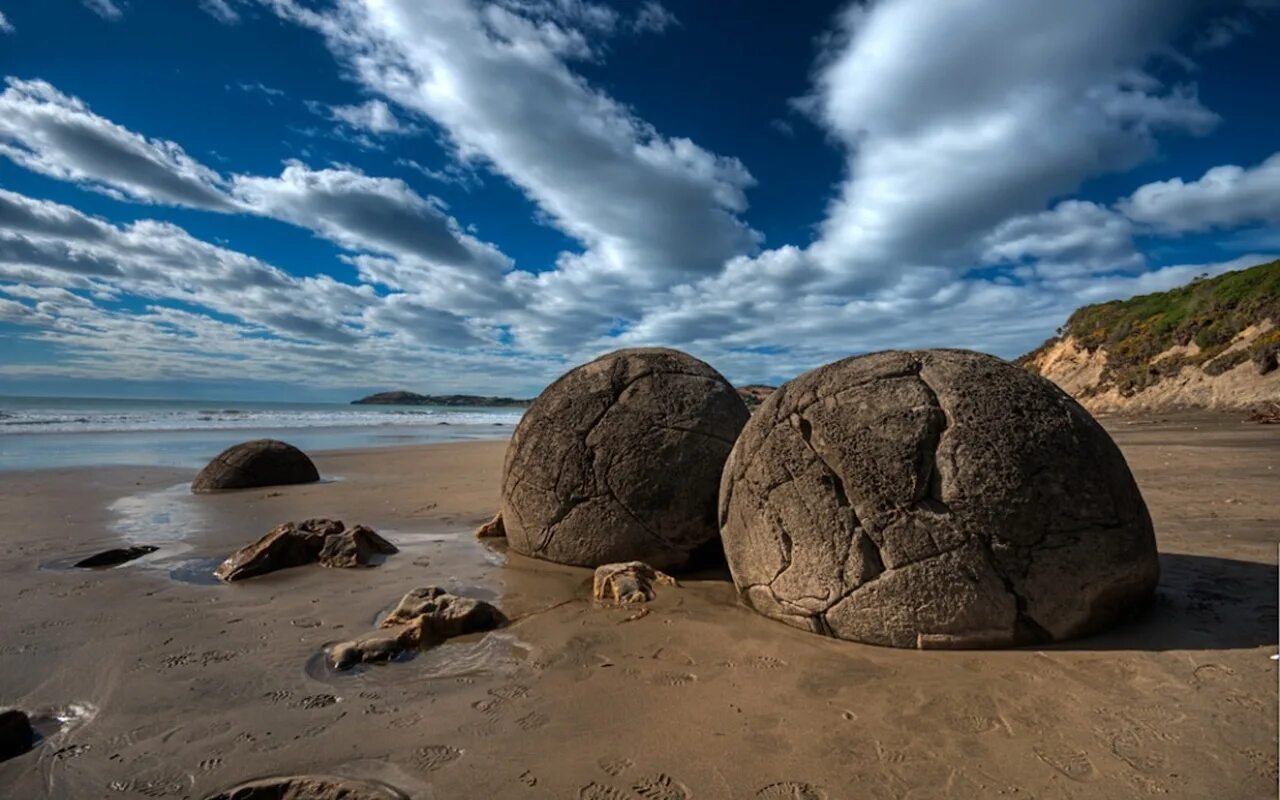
(262, 462)
(934, 499)
(620, 459)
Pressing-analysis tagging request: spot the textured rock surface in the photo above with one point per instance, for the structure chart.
(628, 582)
(262, 462)
(116, 556)
(620, 459)
(358, 546)
(934, 499)
(310, 787)
(16, 735)
(423, 617)
(293, 544)
(441, 615)
(493, 529)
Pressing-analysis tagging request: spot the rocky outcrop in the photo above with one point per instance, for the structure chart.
(627, 583)
(934, 499)
(16, 734)
(402, 398)
(115, 556)
(262, 462)
(1212, 344)
(619, 460)
(293, 544)
(423, 617)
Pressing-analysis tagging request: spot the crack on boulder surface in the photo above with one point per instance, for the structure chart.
(932, 479)
(1025, 629)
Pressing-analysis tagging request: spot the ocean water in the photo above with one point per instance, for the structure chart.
(46, 432)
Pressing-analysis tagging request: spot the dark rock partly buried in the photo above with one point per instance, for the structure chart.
(620, 459)
(115, 556)
(934, 499)
(262, 462)
(310, 787)
(16, 734)
(293, 544)
(424, 617)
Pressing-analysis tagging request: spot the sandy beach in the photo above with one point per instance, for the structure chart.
(170, 685)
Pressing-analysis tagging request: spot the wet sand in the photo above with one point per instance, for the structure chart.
(171, 688)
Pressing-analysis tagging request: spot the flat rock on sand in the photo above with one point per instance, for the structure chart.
(423, 617)
(620, 459)
(293, 544)
(936, 498)
(262, 462)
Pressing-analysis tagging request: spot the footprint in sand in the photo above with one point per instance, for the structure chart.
(532, 721)
(313, 701)
(660, 787)
(599, 791)
(616, 766)
(528, 779)
(1127, 746)
(766, 662)
(1074, 764)
(791, 790)
(673, 678)
(435, 756)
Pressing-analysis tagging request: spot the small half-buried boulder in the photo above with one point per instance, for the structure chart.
(423, 617)
(310, 787)
(293, 544)
(262, 462)
(628, 582)
(115, 556)
(16, 734)
(493, 529)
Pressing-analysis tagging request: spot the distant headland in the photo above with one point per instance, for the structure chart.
(415, 399)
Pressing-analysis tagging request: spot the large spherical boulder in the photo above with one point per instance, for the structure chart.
(262, 462)
(620, 459)
(937, 498)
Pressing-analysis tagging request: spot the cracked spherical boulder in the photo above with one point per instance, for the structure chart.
(620, 459)
(262, 462)
(933, 499)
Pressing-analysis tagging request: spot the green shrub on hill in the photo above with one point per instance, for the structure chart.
(1209, 312)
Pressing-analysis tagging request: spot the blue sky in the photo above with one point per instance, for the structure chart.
(309, 200)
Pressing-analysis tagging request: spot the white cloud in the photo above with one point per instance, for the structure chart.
(1074, 238)
(1224, 197)
(373, 116)
(5, 25)
(362, 213)
(220, 10)
(960, 115)
(648, 209)
(653, 18)
(107, 9)
(57, 135)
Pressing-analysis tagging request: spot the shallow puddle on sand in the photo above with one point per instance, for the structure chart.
(165, 515)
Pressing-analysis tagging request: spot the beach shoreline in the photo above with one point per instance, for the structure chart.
(175, 688)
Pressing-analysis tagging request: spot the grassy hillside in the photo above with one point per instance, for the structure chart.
(1207, 312)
